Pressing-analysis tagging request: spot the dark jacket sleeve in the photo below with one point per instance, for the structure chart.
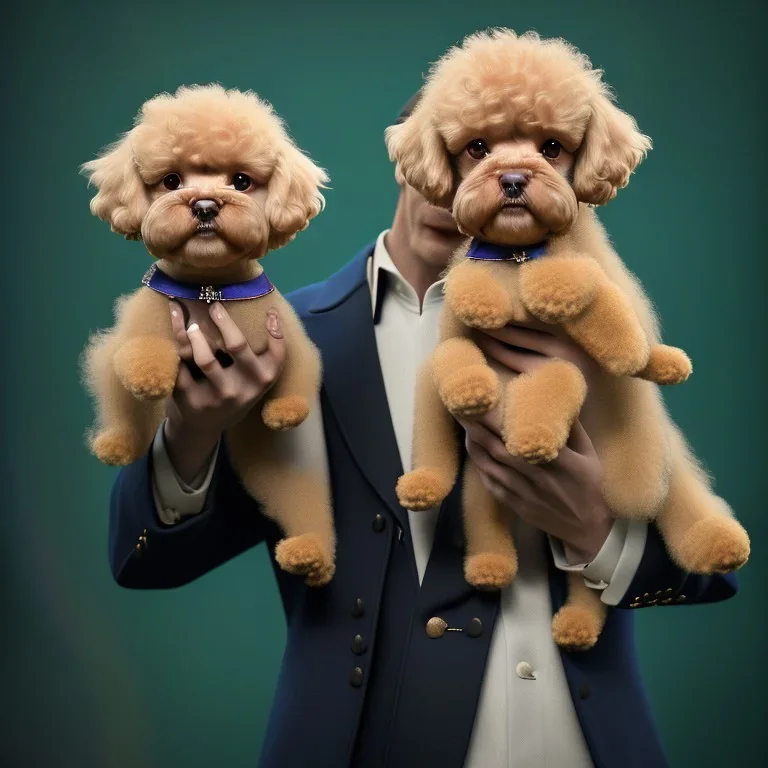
(146, 554)
(659, 582)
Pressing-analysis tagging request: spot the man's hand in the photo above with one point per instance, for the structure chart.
(201, 409)
(562, 498)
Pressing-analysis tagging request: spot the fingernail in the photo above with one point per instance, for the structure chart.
(273, 324)
(216, 310)
(192, 328)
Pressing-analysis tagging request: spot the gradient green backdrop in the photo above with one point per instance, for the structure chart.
(96, 676)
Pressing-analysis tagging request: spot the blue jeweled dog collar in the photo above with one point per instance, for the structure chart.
(482, 251)
(158, 281)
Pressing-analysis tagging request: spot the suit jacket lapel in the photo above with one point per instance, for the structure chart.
(340, 323)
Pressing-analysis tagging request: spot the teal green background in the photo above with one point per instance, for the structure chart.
(97, 676)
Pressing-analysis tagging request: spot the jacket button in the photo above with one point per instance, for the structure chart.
(584, 691)
(356, 678)
(379, 523)
(474, 628)
(436, 627)
(141, 543)
(358, 645)
(358, 609)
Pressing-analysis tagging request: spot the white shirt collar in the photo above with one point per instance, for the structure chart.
(380, 261)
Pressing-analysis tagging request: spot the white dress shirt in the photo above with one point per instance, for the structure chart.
(525, 715)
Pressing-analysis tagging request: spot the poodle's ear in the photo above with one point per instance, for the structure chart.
(612, 148)
(121, 199)
(294, 196)
(421, 158)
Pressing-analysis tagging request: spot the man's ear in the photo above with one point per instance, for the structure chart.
(294, 196)
(121, 199)
(421, 158)
(612, 148)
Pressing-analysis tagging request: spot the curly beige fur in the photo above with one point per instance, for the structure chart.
(515, 95)
(207, 134)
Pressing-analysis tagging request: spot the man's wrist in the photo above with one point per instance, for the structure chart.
(583, 549)
(188, 449)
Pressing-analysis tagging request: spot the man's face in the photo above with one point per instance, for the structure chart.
(432, 232)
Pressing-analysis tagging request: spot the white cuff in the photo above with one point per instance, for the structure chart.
(629, 561)
(175, 499)
(614, 566)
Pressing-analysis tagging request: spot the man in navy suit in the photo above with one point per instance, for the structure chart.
(398, 662)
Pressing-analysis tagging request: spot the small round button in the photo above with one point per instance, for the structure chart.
(358, 609)
(525, 671)
(379, 523)
(358, 645)
(436, 627)
(474, 628)
(584, 691)
(356, 678)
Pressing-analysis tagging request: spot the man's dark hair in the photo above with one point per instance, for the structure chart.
(408, 107)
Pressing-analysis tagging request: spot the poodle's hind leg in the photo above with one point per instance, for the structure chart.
(698, 527)
(491, 558)
(297, 497)
(578, 624)
(435, 449)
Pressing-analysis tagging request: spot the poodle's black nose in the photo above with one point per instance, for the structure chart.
(513, 184)
(205, 210)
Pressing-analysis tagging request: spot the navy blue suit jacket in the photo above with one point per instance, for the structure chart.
(361, 683)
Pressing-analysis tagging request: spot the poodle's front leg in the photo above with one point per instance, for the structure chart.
(467, 385)
(127, 371)
(477, 293)
(287, 404)
(540, 408)
(575, 292)
(145, 357)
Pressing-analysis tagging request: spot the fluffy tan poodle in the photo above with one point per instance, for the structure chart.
(210, 180)
(520, 138)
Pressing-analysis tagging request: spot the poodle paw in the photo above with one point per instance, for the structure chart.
(716, 544)
(667, 365)
(116, 447)
(557, 297)
(285, 412)
(422, 488)
(489, 570)
(624, 361)
(537, 443)
(147, 366)
(471, 391)
(575, 628)
(306, 556)
(479, 303)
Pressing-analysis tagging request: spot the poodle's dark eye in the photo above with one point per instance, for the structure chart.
(241, 182)
(551, 149)
(477, 149)
(172, 181)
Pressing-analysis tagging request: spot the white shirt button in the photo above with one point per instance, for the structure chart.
(525, 671)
